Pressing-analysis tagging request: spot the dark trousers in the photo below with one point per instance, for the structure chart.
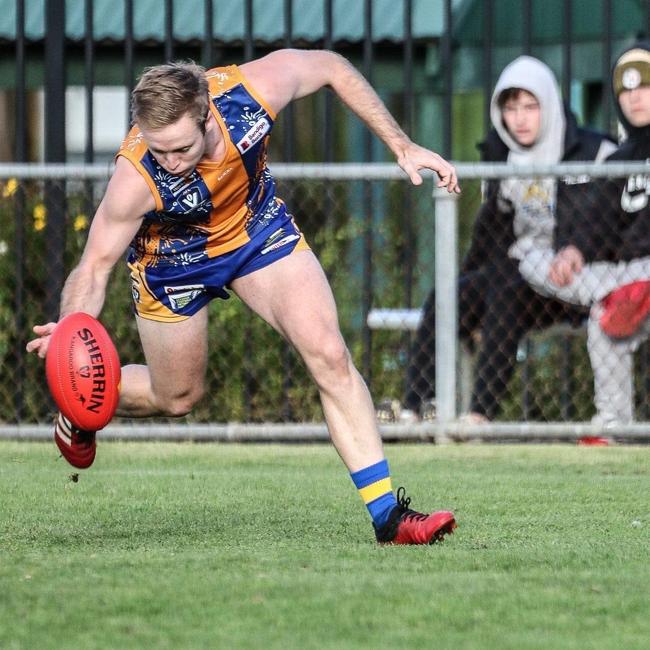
(503, 308)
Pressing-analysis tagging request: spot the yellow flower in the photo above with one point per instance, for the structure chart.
(10, 188)
(40, 214)
(80, 222)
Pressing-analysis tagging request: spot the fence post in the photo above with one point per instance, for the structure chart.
(446, 283)
(55, 151)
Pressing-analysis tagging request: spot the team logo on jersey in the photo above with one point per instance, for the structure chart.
(192, 199)
(254, 135)
(190, 195)
(182, 296)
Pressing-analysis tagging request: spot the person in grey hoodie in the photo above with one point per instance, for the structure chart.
(603, 257)
(530, 125)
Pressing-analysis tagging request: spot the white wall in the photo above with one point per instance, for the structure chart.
(109, 121)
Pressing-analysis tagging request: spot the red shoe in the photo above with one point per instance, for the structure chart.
(77, 447)
(406, 526)
(594, 441)
(625, 309)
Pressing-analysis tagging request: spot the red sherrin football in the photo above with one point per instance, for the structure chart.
(83, 371)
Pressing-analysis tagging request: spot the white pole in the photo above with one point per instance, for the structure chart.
(446, 279)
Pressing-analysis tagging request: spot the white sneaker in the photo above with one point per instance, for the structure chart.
(428, 410)
(407, 416)
(388, 410)
(608, 420)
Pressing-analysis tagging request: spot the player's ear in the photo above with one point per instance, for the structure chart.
(206, 123)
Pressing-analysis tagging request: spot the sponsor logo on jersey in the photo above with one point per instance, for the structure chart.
(254, 134)
(224, 173)
(279, 244)
(273, 237)
(180, 297)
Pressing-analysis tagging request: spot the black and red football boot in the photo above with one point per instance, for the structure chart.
(78, 447)
(406, 526)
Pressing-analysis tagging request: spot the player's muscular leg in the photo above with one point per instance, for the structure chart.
(294, 296)
(173, 379)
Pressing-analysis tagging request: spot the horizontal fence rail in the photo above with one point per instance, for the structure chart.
(346, 171)
(317, 432)
(381, 306)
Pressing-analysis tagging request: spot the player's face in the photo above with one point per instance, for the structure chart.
(635, 105)
(177, 147)
(522, 118)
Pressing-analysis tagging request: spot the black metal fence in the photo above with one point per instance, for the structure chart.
(431, 68)
(53, 56)
(535, 372)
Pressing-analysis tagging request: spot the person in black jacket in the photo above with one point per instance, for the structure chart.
(603, 260)
(531, 125)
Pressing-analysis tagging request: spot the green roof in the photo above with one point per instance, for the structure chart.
(547, 21)
(229, 19)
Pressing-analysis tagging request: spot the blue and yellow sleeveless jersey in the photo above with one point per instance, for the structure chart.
(221, 205)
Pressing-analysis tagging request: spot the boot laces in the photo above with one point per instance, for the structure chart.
(404, 502)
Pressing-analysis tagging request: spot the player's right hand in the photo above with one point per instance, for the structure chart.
(414, 158)
(40, 344)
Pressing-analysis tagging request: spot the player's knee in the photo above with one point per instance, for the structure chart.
(181, 404)
(333, 357)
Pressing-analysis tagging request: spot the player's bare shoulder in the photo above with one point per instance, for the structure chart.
(285, 75)
(128, 195)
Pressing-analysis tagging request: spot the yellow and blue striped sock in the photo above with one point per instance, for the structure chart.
(375, 488)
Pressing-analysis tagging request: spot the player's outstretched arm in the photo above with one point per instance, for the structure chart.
(285, 75)
(114, 225)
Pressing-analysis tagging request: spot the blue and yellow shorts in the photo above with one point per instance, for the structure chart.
(176, 290)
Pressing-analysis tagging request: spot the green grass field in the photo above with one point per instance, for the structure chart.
(269, 546)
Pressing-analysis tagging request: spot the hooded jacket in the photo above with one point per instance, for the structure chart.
(614, 226)
(521, 213)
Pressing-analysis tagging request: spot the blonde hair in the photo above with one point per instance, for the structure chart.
(165, 93)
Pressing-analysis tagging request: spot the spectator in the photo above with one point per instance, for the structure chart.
(604, 257)
(530, 126)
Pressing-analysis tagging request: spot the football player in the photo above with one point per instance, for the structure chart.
(194, 202)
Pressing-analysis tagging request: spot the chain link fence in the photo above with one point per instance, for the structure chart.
(376, 238)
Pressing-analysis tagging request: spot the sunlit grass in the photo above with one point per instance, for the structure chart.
(233, 546)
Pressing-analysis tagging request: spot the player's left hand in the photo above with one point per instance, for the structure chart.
(414, 157)
(40, 344)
